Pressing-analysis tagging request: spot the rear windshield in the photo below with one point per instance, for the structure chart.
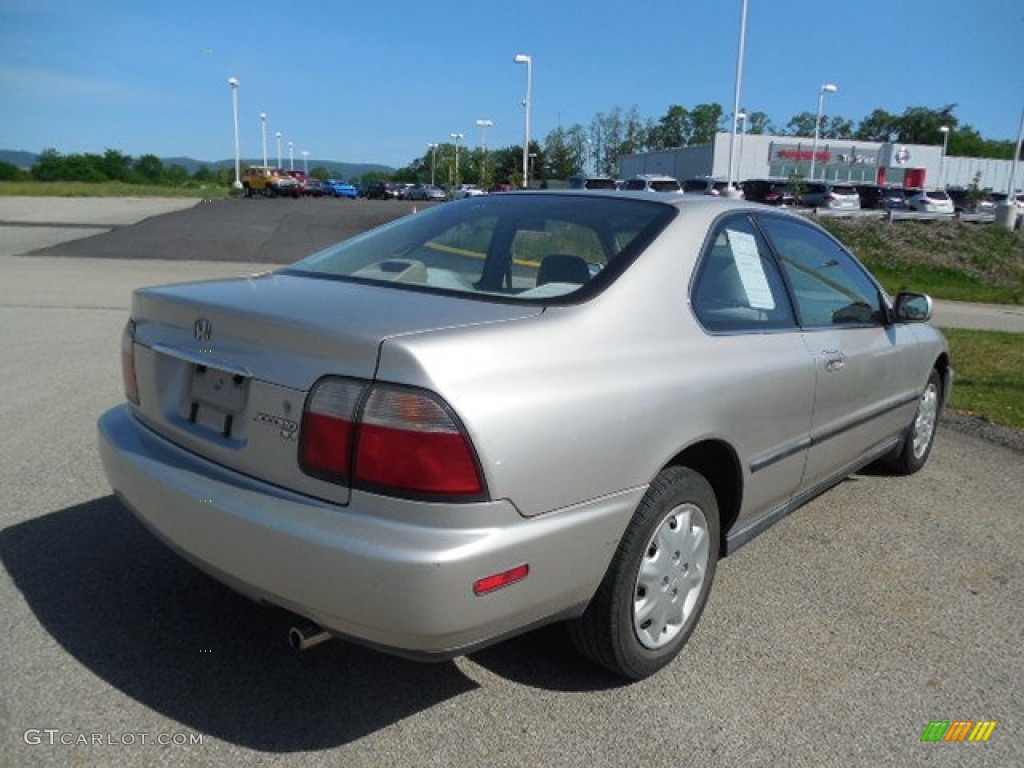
(665, 185)
(599, 184)
(524, 247)
(938, 194)
(844, 190)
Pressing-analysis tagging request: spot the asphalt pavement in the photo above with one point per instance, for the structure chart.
(833, 639)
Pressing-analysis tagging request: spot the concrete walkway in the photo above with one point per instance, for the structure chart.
(30, 223)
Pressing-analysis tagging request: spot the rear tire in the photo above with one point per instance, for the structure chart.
(658, 581)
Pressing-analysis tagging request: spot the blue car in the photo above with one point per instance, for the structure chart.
(339, 188)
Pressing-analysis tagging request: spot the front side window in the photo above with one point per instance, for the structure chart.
(829, 287)
(738, 287)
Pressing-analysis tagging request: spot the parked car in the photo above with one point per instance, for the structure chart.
(1000, 198)
(649, 182)
(966, 200)
(426, 192)
(583, 181)
(827, 194)
(880, 196)
(705, 185)
(309, 186)
(929, 201)
(502, 412)
(769, 191)
(382, 190)
(467, 190)
(269, 182)
(339, 188)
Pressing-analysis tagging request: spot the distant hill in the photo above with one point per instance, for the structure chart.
(21, 159)
(335, 167)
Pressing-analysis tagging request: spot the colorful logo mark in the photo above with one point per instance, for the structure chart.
(958, 730)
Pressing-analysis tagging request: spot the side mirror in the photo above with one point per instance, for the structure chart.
(912, 308)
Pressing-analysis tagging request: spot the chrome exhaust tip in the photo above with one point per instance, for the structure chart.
(302, 637)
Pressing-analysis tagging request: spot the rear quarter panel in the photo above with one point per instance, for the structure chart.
(589, 400)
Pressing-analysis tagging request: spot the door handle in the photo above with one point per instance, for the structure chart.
(834, 360)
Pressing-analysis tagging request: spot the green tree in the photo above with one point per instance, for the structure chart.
(150, 168)
(10, 172)
(921, 125)
(759, 123)
(674, 128)
(562, 161)
(800, 125)
(836, 128)
(705, 121)
(878, 126)
(319, 172)
(176, 175)
(115, 165)
(47, 166)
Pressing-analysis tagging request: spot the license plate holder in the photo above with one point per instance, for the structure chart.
(216, 398)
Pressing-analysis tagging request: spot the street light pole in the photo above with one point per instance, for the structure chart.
(825, 88)
(305, 162)
(233, 82)
(942, 161)
(432, 146)
(263, 126)
(484, 125)
(291, 155)
(455, 180)
(739, 155)
(522, 58)
(278, 149)
(730, 190)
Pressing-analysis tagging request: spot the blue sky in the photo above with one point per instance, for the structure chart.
(371, 81)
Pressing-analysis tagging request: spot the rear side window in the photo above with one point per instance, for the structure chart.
(828, 285)
(738, 287)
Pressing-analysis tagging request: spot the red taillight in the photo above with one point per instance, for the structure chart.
(128, 375)
(388, 439)
(327, 429)
(408, 442)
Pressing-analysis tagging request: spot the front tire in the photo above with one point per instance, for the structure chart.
(917, 444)
(658, 581)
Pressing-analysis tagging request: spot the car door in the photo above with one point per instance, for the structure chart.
(864, 395)
(763, 373)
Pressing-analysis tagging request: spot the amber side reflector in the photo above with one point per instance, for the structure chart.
(498, 580)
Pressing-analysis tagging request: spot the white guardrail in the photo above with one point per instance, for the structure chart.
(891, 215)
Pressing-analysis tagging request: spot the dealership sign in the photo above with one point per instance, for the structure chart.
(826, 155)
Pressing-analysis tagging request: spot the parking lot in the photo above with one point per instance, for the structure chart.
(833, 639)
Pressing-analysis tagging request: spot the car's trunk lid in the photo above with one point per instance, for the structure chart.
(224, 366)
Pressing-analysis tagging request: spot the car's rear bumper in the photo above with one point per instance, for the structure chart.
(391, 573)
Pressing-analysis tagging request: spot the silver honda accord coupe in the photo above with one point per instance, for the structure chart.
(513, 410)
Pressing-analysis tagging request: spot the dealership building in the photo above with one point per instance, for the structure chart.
(760, 156)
